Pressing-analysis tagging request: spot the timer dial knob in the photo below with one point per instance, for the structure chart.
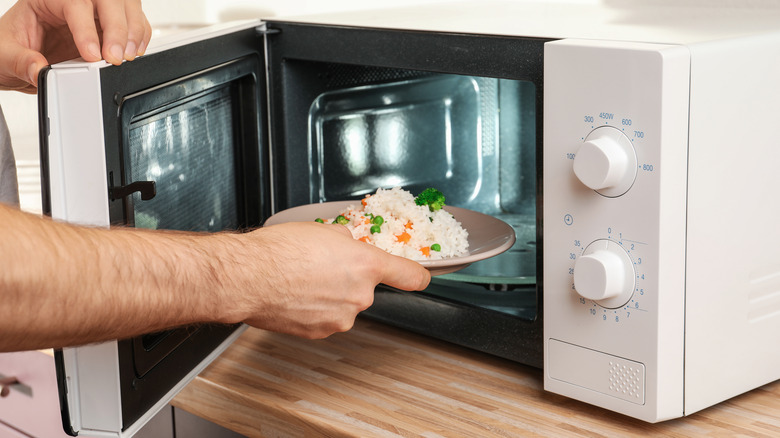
(605, 273)
(606, 162)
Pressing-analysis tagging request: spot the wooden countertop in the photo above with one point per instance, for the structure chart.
(378, 381)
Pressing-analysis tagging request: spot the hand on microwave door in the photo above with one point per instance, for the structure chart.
(35, 33)
(65, 285)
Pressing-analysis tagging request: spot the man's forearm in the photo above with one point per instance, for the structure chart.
(63, 285)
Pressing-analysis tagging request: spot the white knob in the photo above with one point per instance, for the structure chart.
(606, 162)
(605, 273)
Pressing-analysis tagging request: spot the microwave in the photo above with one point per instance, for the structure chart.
(631, 148)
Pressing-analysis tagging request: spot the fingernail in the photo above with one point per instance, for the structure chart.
(142, 48)
(94, 51)
(117, 53)
(130, 51)
(32, 73)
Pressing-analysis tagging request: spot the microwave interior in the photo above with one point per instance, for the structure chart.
(473, 138)
(435, 110)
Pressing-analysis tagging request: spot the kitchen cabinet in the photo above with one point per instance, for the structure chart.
(7, 432)
(31, 407)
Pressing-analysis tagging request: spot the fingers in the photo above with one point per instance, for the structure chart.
(36, 32)
(139, 31)
(113, 21)
(125, 30)
(80, 17)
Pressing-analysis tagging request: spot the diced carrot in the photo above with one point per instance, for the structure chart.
(403, 237)
(408, 225)
(426, 251)
(363, 201)
(364, 239)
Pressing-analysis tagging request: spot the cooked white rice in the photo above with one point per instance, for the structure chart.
(409, 230)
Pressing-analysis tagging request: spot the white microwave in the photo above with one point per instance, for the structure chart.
(631, 148)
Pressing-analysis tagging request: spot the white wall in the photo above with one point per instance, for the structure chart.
(164, 12)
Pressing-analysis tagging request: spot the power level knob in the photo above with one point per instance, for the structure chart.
(606, 162)
(605, 273)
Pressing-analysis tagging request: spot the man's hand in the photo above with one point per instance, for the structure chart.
(36, 33)
(311, 279)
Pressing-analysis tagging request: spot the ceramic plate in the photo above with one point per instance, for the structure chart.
(488, 236)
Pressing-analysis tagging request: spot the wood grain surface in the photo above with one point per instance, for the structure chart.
(378, 381)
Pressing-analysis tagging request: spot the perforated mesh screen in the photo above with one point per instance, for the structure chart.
(189, 152)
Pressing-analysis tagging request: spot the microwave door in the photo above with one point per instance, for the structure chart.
(176, 139)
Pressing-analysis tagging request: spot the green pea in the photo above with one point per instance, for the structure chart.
(436, 247)
(319, 220)
(340, 219)
(375, 229)
(378, 220)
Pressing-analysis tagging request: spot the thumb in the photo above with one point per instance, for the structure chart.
(19, 65)
(29, 64)
(404, 274)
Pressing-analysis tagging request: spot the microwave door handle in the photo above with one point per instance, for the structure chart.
(148, 190)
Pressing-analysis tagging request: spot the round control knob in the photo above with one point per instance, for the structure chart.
(606, 162)
(605, 273)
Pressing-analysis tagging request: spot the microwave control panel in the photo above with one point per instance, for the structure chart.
(615, 138)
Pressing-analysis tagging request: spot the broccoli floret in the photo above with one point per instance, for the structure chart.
(431, 197)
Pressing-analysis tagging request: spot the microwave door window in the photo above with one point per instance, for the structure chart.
(197, 140)
(189, 154)
(188, 149)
